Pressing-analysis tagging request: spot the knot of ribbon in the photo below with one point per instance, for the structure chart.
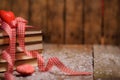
(17, 27)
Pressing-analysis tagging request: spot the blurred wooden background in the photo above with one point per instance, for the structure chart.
(71, 21)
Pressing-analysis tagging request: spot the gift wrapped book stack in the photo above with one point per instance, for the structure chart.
(21, 49)
(33, 41)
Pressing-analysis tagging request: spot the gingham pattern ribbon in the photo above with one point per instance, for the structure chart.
(9, 53)
(10, 56)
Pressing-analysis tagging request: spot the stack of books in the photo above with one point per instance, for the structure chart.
(33, 41)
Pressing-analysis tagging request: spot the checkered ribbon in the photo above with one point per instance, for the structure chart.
(10, 56)
(9, 53)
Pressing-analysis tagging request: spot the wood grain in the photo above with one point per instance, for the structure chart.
(55, 21)
(106, 62)
(70, 21)
(21, 8)
(38, 13)
(111, 22)
(5, 4)
(74, 21)
(38, 16)
(92, 21)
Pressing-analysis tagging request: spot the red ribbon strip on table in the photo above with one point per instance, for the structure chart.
(9, 53)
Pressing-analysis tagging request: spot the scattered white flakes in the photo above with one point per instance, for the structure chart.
(72, 58)
(99, 79)
(33, 74)
(107, 60)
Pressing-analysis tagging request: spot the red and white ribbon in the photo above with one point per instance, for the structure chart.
(9, 53)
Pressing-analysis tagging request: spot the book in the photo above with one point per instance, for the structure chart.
(20, 56)
(33, 41)
(3, 33)
(33, 62)
(30, 36)
(32, 46)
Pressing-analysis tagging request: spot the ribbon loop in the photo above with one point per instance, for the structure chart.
(20, 19)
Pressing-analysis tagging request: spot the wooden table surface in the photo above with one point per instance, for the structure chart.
(103, 61)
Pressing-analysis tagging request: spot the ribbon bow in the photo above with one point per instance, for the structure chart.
(19, 25)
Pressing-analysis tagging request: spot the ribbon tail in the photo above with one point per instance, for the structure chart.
(52, 61)
(67, 70)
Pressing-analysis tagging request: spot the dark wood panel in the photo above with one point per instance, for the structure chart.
(55, 21)
(111, 22)
(74, 23)
(38, 15)
(92, 22)
(5, 4)
(21, 8)
(70, 21)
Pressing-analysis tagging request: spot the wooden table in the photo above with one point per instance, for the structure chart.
(103, 61)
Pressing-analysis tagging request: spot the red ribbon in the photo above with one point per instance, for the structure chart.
(9, 53)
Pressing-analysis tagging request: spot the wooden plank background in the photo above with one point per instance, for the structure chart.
(71, 21)
(111, 22)
(74, 25)
(92, 21)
